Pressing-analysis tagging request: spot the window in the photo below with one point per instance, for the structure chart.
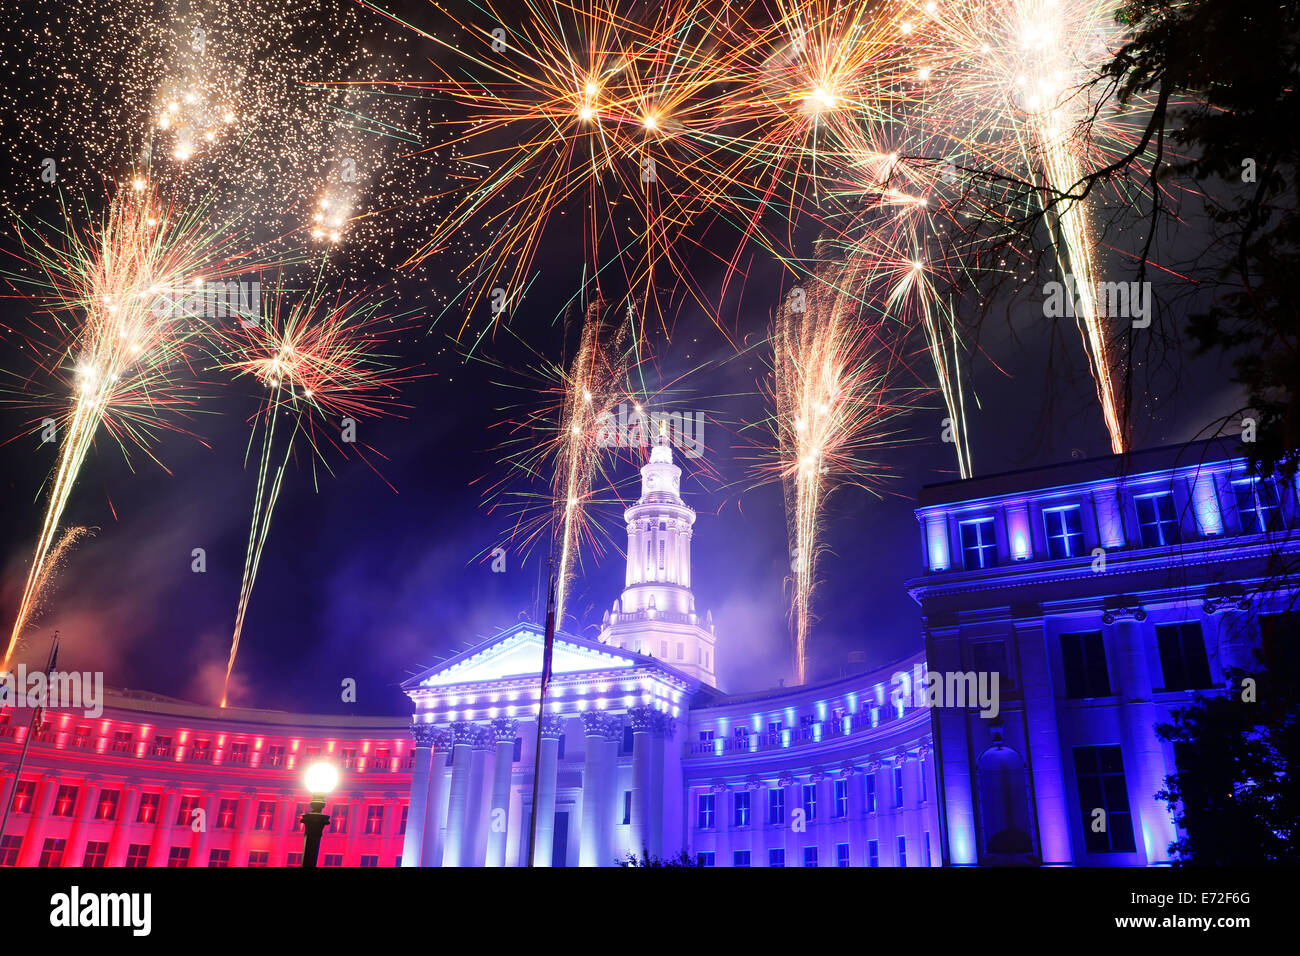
(185, 815)
(706, 858)
(902, 851)
(627, 739)
(706, 736)
(23, 795)
(52, 852)
(96, 853)
(873, 853)
(219, 858)
(871, 793)
(1099, 776)
(810, 856)
(238, 753)
(265, 819)
(374, 820)
(990, 657)
(841, 799)
(138, 854)
(349, 758)
(339, 818)
(627, 808)
(741, 815)
(148, 812)
(1182, 656)
(704, 812)
(1064, 530)
(559, 753)
(380, 762)
(979, 546)
(681, 650)
(298, 810)
(1157, 521)
(162, 747)
(809, 802)
(65, 802)
(107, 809)
(920, 779)
(369, 860)
(898, 785)
(226, 814)
(10, 845)
(275, 755)
(122, 741)
(841, 854)
(1084, 658)
(259, 858)
(740, 858)
(776, 806)
(333, 859)
(775, 726)
(7, 729)
(1257, 505)
(776, 857)
(81, 737)
(295, 859)
(401, 827)
(518, 755)
(201, 751)
(927, 849)
(178, 856)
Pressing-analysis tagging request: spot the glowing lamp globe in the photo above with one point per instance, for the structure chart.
(322, 778)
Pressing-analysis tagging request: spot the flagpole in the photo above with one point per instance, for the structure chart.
(37, 715)
(547, 648)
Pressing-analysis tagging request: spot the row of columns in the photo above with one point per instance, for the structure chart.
(462, 818)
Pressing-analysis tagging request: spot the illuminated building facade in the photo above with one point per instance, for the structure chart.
(1102, 594)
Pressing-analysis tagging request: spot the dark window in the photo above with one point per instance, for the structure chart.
(138, 854)
(740, 858)
(96, 853)
(52, 852)
(559, 753)
(401, 827)
(1084, 658)
(295, 859)
(333, 859)
(1064, 529)
(122, 741)
(219, 858)
(871, 793)
(259, 858)
(1257, 505)
(898, 785)
(275, 755)
(810, 856)
(809, 802)
(1099, 775)
(226, 814)
(238, 753)
(519, 750)
(9, 846)
(902, 851)
(370, 860)
(162, 747)
(1157, 521)
(1182, 656)
(841, 799)
(841, 854)
(776, 857)
(706, 858)
(374, 820)
(979, 546)
(178, 856)
(627, 739)
(873, 853)
(339, 818)
(627, 807)
(82, 737)
(990, 657)
(776, 806)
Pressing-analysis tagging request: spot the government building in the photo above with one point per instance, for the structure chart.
(1064, 612)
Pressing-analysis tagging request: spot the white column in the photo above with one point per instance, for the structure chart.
(642, 722)
(474, 849)
(161, 844)
(593, 782)
(75, 849)
(504, 732)
(655, 805)
(413, 842)
(463, 733)
(552, 731)
(34, 841)
(435, 813)
(612, 793)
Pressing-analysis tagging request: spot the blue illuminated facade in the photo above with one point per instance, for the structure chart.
(1115, 590)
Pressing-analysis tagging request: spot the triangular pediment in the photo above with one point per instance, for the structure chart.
(518, 653)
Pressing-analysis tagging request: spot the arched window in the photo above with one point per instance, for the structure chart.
(1005, 823)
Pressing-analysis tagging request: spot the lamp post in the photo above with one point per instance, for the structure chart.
(321, 780)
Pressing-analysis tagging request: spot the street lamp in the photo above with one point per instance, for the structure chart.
(321, 780)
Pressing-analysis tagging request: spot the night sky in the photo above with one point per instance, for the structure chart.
(363, 580)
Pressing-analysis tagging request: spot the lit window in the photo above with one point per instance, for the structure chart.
(1157, 521)
(704, 816)
(841, 799)
(810, 802)
(873, 853)
(1064, 531)
(776, 806)
(740, 816)
(979, 546)
(1257, 505)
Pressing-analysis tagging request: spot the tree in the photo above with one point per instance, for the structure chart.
(645, 859)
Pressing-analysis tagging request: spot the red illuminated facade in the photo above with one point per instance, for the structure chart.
(160, 782)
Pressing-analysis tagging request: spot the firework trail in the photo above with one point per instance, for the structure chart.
(321, 364)
(118, 332)
(834, 390)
